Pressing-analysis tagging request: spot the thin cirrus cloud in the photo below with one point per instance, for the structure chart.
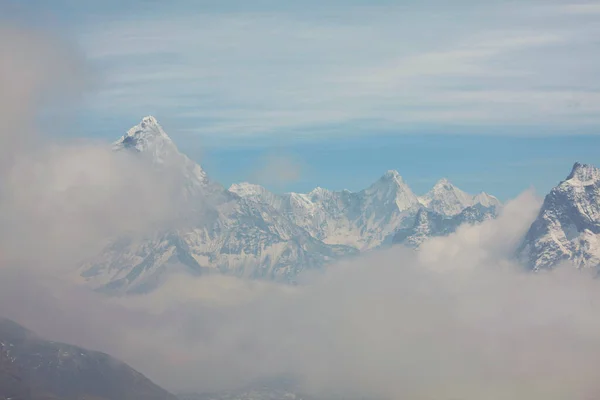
(235, 73)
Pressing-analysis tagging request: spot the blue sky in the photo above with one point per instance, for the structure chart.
(496, 95)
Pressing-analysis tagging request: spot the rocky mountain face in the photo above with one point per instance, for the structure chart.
(568, 225)
(32, 368)
(250, 232)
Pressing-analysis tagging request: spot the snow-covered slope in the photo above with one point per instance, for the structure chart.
(568, 225)
(446, 199)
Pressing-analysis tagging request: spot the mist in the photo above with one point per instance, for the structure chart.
(457, 319)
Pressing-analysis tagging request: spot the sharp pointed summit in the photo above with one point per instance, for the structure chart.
(149, 139)
(582, 173)
(390, 189)
(392, 173)
(442, 183)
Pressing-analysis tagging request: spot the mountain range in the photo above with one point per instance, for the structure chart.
(247, 231)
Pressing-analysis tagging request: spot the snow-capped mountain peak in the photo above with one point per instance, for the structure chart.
(392, 174)
(445, 198)
(391, 177)
(150, 140)
(443, 183)
(390, 188)
(583, 175)
(148, 137)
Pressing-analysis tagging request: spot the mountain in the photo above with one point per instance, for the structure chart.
(223, 232)
(431, 224)
(378, 215)
(32, 368)
(568, 225)
(446, 199)
(250, 232)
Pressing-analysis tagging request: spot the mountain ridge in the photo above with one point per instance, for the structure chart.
(246, 230)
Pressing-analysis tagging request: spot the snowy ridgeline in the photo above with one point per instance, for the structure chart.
(248, 231)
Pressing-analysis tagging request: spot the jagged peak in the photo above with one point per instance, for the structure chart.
(392, 174)
(149, 120)
(442, 188)
(443, 182)
(584, 173)
(147, 136)
(388, 180)
(148, 126)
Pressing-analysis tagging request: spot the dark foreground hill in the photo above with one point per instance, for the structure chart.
(32, 368)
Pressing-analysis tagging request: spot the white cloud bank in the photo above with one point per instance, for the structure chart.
(468, 324)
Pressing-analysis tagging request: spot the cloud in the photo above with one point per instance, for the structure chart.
(61, 199)
(248, 73)
(26, 83)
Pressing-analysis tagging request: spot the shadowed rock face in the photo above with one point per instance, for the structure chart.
(32, 368)
(568, 225)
